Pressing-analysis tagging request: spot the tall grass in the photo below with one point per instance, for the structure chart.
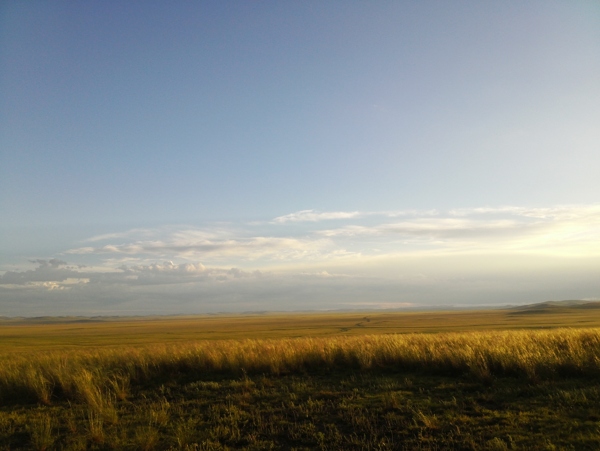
(98, 377)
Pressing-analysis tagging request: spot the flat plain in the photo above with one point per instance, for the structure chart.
(19, 334)
(513, 378)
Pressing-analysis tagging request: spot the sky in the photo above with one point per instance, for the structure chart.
(233, 156)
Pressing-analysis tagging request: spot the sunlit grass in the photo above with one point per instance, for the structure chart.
(59, 333)
(99, 376)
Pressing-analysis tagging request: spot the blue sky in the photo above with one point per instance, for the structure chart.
(231, 156)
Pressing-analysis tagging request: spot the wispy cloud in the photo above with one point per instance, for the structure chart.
(370, 259)
(315, 216)
(111, 236)
(432, 227)
(559, 229)
(64, 276)
(560, 212)
(197, 244)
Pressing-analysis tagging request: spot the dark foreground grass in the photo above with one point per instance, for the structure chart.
(354, 410)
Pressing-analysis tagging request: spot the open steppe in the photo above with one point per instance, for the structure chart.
(21, 334)
(514, 378)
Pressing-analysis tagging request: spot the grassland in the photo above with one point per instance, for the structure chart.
(496, 379)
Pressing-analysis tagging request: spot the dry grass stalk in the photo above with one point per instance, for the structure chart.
(102, 377)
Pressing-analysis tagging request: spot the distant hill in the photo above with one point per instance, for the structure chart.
(555, 307)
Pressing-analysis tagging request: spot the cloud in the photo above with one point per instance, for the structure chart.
(561, 212)
(559, 229)
(52, 270)
(132, 232)
(383, 258)
(168, 287)
(314, 216)
(165, 287)
(556, 230)
(431, 227)
(48, 276)
(54, 262)
(187, 244)
(171, 273)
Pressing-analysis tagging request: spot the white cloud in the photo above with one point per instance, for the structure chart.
(378, 259)
(189, 245)
(64, 277)
(561, 230)
(561, 212)
(109, 236)
(450, 227)
(169, 287)
(432, 227)
(571, 229)
(314, 216)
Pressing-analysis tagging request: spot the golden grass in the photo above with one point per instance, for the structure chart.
(99, 376)
(61, 333)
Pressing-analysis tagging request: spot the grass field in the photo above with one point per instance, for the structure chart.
(525, 378)
(59, 333)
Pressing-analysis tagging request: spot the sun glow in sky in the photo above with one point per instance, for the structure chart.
(194, 157)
